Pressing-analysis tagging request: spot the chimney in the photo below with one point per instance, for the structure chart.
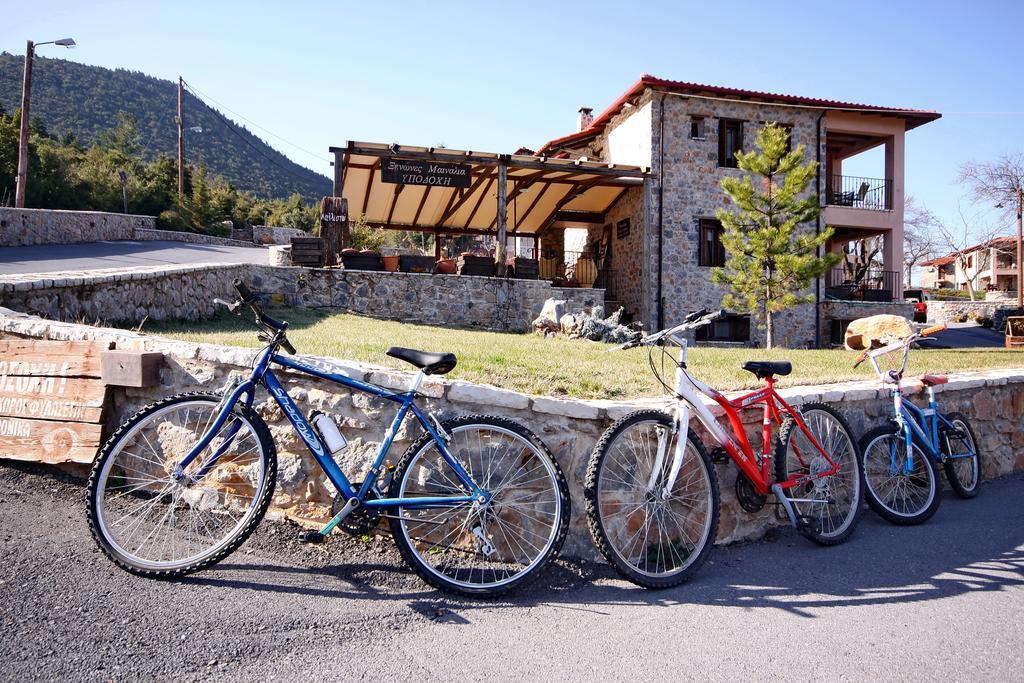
(584, 119)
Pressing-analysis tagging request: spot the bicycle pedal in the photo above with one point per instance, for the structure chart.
(312, 537)
(719, 456)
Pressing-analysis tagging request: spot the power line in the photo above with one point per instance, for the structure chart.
(233, 128)
(204, 96)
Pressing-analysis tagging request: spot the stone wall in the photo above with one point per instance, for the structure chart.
(264, 234)
(628, 252)
(994, 401)
(23, 227)
(852, 310)
(953, 311)
(187, 292)
(190, 237)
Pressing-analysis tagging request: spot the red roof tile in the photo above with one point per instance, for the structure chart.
(914, 117)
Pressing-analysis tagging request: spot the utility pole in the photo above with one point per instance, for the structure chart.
(181, 140)
(26, 97)
(1020, 248)
(26, 101)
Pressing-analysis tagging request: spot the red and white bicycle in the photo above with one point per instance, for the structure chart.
(651, 489)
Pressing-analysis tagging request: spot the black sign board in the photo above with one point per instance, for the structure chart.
(622, 228)
(405, 172)
(333, 210)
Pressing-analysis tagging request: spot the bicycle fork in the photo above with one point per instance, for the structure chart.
(680, 429)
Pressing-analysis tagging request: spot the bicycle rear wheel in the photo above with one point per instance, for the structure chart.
(828, 506)
(897, 494)
(964, 473)
(488, 549)
(153, 524)
(652, 538)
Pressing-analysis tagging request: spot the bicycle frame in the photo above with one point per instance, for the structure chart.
(756, 467)
(920, 426)
(262, 374)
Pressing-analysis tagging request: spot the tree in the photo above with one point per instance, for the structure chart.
(1001, 182)
(965, 243)
(919, 235)
(772, 255)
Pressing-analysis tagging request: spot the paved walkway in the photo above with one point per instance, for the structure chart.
(942, 601)
(102, 255)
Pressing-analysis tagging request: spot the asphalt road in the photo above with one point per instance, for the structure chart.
(938, 602)
(101, 255)
(967, 335)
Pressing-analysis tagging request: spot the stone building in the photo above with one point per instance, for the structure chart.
(626, 204)
(661, 240)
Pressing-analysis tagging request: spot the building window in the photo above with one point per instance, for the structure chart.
(730, 141)
(711, 253)
(730, 328)
(697, 131)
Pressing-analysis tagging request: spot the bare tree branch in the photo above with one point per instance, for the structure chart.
(920, 240)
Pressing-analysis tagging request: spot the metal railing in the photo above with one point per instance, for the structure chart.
(863, 285)
(859, 193)
(579, 268)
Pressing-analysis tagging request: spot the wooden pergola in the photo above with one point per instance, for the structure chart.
(503, 195)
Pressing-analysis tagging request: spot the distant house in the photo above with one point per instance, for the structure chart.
(989, 266)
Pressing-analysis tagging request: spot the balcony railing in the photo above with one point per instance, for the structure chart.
(859, 193)
(862, 285)
(578, 269)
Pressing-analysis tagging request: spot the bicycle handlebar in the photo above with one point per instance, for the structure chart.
(690, 322)
(262, 319)
(934, 329)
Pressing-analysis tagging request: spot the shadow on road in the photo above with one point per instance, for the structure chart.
(968, 546)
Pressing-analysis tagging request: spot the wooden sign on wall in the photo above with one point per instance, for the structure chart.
(51, 400)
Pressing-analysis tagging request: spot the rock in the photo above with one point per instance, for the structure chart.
(876, 330)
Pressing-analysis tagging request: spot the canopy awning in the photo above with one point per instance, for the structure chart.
(538, 190)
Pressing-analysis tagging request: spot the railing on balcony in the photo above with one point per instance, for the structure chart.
(862, 285)
(859, 193)
(578, 269)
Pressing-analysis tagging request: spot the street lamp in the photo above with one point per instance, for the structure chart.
(26, 97)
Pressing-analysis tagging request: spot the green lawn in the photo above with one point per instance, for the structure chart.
(558, 367)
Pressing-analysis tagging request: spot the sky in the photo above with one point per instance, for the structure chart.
(495, 76)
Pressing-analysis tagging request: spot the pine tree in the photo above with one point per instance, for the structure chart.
(772, 254)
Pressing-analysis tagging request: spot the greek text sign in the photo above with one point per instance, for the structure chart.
(403, 172)
(51, 400)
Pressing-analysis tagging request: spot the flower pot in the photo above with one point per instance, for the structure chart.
(446, 266)
(391, 263)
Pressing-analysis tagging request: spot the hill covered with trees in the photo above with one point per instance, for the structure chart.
(82, 102)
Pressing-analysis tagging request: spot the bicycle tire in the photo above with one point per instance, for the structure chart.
(926, 510)
(950, 464)
(556, 536)
(598, 524)
(261, 498)
(813, 531)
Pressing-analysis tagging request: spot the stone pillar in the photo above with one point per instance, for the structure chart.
(893, 240)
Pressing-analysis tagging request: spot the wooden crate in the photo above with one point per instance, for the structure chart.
(475, 265)
(361, 261)
(526, 268)
(408, 263)
(308, 251)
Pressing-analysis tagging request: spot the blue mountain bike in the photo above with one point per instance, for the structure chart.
(901, 459)
(477, 505)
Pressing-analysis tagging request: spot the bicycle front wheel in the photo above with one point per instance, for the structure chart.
(481, 549)
(152, 523)
(963, 467)
(899, 492)
(828, 506)
(653, 537)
